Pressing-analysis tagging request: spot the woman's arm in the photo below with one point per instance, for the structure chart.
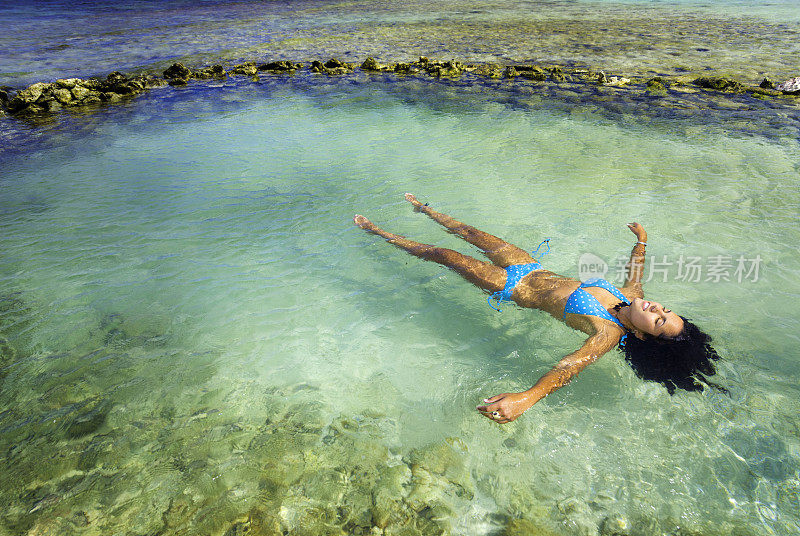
(508, 406)
(636, 264)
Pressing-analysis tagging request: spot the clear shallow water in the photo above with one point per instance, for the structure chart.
(199, 332)
(43, 41)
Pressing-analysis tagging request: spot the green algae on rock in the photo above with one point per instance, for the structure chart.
(719, 84)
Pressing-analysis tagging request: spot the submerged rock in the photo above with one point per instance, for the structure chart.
(248, 69)
(615, 525)
(444, 69)
(490, 70)
(51, 105)
(557, 75)
(655, 84)
(525, 527)
(614, 81)
(317, 67)
(387, 497)
(68, 83)
(263, 523)
(719, 84)
(79, 92)
(789, 86)
(333, 63)
(215, 71)
(257, 523)
(27, 97)
(97, 452)
(7, 353)
(405, 68)
(440, 478)
(530, 73)
(371, 65)
(331, 67)
(388, 508)
(304, 517)
(92, 83)
(92, 97)
(280, 67)
(110, 96)
(445, 458)
(239, 528)
(7, 356)
(408, 68)
(92, 417)
(50, 97)
(177, 70)
(618, 81)
(116, 77)
(178, 513)
(33, 92)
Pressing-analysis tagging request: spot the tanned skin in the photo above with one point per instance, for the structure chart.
(541, 289)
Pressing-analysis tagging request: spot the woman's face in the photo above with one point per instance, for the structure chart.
(650, 317)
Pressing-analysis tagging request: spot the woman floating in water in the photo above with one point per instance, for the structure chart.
(659, 344)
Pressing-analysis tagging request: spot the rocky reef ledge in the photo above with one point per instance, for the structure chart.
(45, 98)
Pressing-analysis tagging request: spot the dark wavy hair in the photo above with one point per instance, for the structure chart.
(681, 362)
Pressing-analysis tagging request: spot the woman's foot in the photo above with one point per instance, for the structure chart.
(411, 198)
(363, 222)
(370, 227)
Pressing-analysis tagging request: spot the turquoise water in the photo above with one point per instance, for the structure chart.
(195, 339)
(199, 331)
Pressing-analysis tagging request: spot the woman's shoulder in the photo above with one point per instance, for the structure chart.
(633, 291)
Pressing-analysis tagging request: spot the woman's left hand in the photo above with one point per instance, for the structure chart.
(506, 407)
(637, 229)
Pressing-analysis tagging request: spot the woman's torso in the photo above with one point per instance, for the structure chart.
(550, 292)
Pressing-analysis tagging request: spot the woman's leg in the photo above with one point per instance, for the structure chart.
(482, 274)
(499, 251)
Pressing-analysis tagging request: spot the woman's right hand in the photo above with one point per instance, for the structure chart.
(506, 407)
(638, 230)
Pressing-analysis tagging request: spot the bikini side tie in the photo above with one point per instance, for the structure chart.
(514, 274)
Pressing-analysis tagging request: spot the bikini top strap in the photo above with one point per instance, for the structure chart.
(605, 285)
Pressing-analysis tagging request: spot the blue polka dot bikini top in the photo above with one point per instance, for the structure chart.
(581, 302)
